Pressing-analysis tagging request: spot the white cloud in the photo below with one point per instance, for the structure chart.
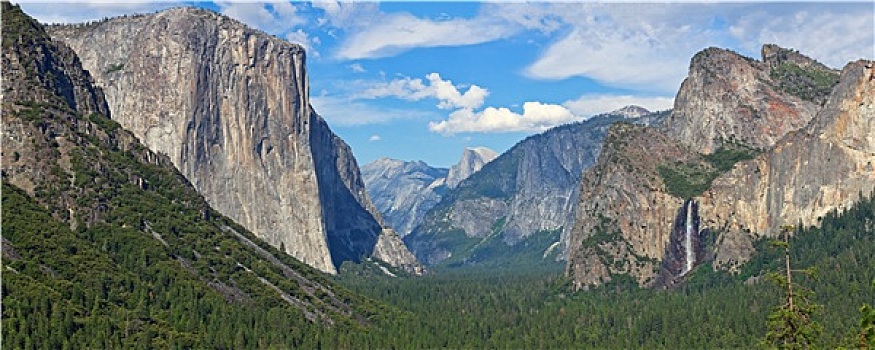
(375, 138)
(397, 33)
(271, 17)
(375, 34)
(590, 105)
(83, 11)
(301, 38)
(448, 95)
(536, 116)
(357, 68)
(346, 112)
(647, 47)
(827, 34)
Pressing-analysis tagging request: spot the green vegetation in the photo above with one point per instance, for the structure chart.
(532, 309)
(810, 84)
(790, 325)
(692, 178)
(115, 67)
(497, 180)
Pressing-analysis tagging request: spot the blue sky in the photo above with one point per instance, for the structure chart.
(421, 81)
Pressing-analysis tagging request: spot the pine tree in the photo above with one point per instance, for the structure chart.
(867, 326)
(790, 325)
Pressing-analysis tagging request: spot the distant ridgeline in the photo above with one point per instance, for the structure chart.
(515, 212)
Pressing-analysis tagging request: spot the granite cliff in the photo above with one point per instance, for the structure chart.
(519, 203)
(825, 166)
(92, 219)
(729, 109)
(473, 159)
(729, 98)
(625, 213)
(404, 191)
(230, 107)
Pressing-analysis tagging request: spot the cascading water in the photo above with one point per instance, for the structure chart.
(688, 239)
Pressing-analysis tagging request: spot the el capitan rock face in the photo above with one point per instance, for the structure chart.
(230, 107)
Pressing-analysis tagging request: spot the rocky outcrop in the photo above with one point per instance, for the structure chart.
(230, 107)
(729, 98)
(826, 166)
(404, 191)
(728, 101)
(625, 214)
(473, 159)
(122, 203)
(528, 192)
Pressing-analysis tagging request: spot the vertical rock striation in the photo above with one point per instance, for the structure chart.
(230, 107)
(625, 214)
(727, 101)
(473, 159)
(529, 192)
(826, 166)
(404, 191)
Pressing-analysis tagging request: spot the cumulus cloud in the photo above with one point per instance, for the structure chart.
(536, 116)
(448, 95)
(357, 68)
(375, 138)
(590, 105)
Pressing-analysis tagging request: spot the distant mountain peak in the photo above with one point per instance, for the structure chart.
(473, 158)
(631, 111)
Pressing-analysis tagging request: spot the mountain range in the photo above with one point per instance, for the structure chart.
(521, 201)
(404, 191)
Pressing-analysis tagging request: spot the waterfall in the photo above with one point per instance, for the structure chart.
(688, 239)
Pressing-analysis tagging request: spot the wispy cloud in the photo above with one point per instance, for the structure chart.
(646, 47)
(828, 33)
(590, 105)
(357, 68)
(84, 11)
(341, 111)
(375, 138)
(375, 34)
(272, 17)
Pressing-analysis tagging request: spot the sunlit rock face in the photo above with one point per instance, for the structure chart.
(229, 106)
